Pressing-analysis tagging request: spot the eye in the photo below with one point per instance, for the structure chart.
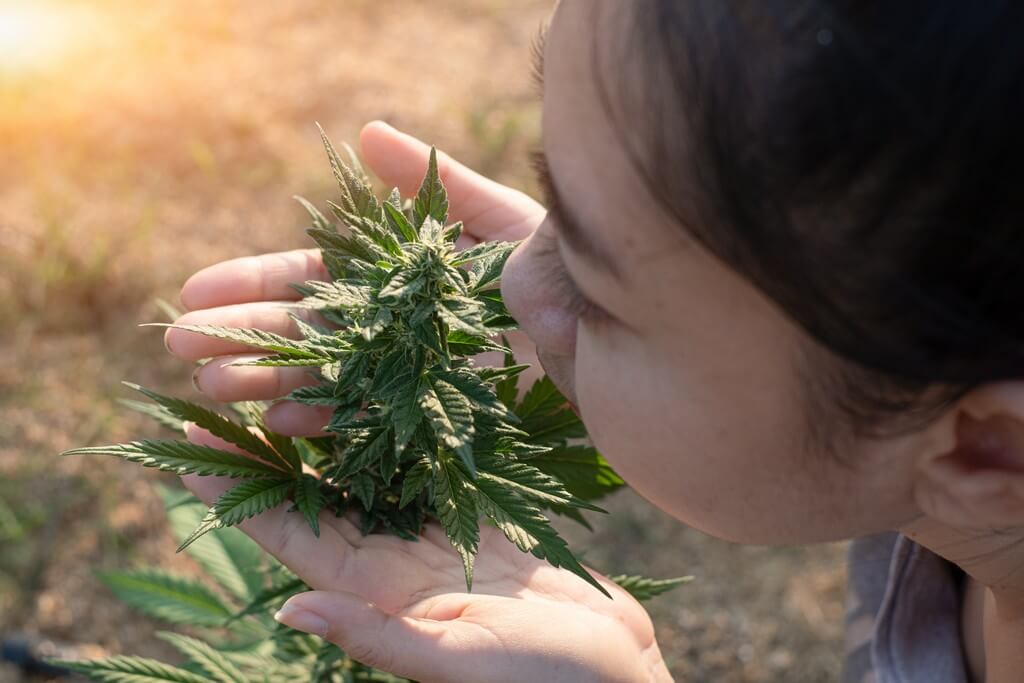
(565, 288)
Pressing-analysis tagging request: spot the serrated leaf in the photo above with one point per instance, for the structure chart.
(215, 423)
(405, 283)
(314, 395)
(457, 510)
(486, 270)
(450, 415)
(277, 593)
(267, 341)
(416, 479)
(340, 294)
(432, 199)
(230, 557)
(480, 394)
(361, 486)
(581, 469)
(399, 223)
(643, 588)
(238, 504)
(525, 525)
(463, 314)
(357, 197)
(528, 481)
(310, 501)
(364, 451)
(218, 667)
(319, 221)
(171, 598)
(158, 413)
(182, 457)
(484, 250)
(130, 670)
(406, 414)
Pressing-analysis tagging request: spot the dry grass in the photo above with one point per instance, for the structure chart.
(169, 139)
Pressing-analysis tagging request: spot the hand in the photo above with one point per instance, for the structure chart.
(401, 606)
(250, 291)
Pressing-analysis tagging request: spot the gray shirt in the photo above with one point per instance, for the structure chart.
(903, 614)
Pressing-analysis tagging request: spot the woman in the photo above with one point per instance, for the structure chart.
(777, 277)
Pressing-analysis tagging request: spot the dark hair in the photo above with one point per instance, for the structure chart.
(860, 161)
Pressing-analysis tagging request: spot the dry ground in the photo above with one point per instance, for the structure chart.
(169, 137)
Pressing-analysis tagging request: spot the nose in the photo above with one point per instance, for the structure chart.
(531, 293)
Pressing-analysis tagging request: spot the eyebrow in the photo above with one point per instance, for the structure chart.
(568, 224)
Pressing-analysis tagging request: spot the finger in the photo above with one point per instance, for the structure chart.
(269, 316)
(252, 278)
(294, 419)
(491, 211)
(416, 648)
(222, 380)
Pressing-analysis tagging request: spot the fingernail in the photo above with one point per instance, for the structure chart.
(302, 620)
(167, 342)
(195, 379)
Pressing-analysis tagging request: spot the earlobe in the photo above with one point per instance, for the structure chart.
(976, 480)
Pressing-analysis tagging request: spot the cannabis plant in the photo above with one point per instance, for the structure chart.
(418, 431)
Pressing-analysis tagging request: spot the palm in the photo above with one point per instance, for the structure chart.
(515, 598)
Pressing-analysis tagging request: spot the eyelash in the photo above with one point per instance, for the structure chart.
(558, 277)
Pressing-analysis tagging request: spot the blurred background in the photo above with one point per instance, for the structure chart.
(141, 141)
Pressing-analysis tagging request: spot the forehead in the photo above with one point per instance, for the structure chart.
(586, 149)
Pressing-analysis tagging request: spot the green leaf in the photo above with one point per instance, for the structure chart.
(310, 501)
(456, 510)
(182, 457)
(484, 250)
(229, 557)
(480, 394)
(340, 294)
(158, 413)
(486, 270)
(643, 588)
(399, 223)
(362, 488)
(416, 479)
(582, 469)
(215, 423)
(131, 670)
(218, 667)
(357, 197)
(278, 593)
(267, 341)
(463, 314)
(364, 451)
(314, 395)
(168, 597)
(432, 199)
(406, 414)
(528, 481)
(405, 283)
(526, 526)
(450, 414)
(319, 221)
(545, 415)
(238, 504)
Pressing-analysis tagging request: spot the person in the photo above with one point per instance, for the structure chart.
(778, 274)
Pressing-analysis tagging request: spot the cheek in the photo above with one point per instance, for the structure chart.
(711, 441)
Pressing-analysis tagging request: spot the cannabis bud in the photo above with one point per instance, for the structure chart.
(418, 430)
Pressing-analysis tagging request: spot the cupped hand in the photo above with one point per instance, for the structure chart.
(254, 291)
(402, 606)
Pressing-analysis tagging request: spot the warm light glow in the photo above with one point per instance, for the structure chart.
(32, 34)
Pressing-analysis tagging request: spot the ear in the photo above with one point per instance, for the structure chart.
(974, 477)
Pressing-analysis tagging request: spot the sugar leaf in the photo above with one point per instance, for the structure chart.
(432, 199)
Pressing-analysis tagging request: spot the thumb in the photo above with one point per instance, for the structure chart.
(490, 210)
(400, 645)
